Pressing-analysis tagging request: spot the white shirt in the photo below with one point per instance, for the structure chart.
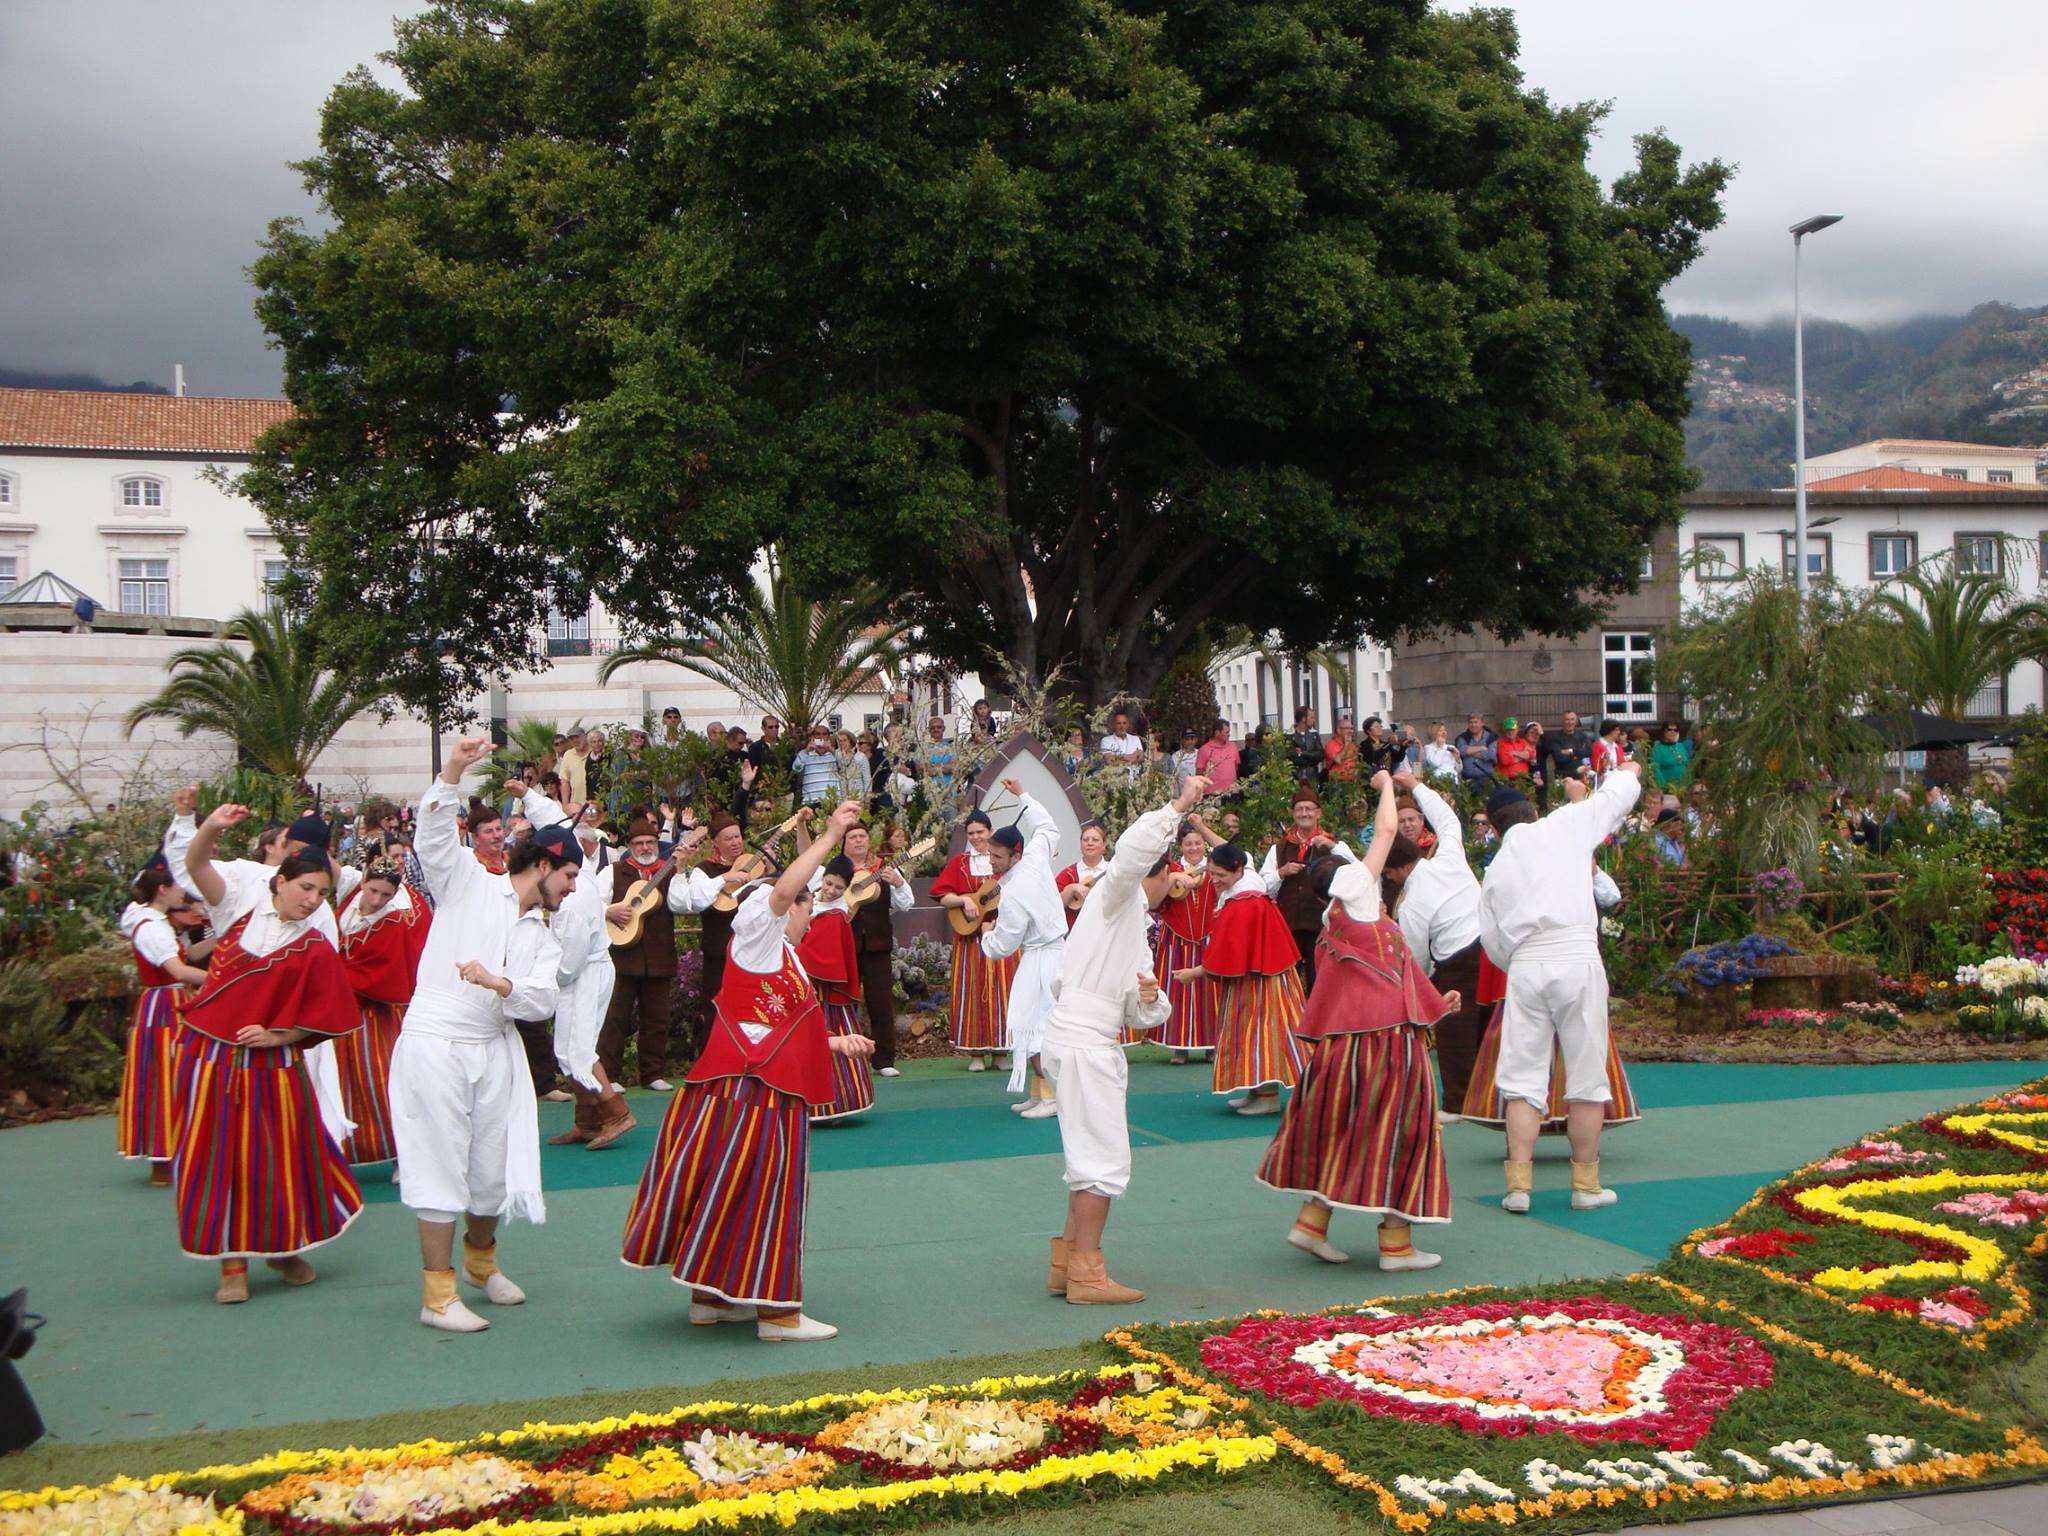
(1356, 888)
(150, 932)
(1030, 915)
(900, 897)
(1269, 869)
(1439, 908)
(694, 891)
(1440, 759)
(1108, 946)
(354, 919)
(1541, 882)
(1125, 745)
(578, 926)
(247, 882)
(476, 917)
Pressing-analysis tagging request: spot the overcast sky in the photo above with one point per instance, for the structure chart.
(144, 146)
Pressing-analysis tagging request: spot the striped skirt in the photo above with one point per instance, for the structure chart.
(148, 1109)
(853, 1087)
(1256, 1017)
(1361, 1130)
(364, 1061)
(721, 1203)
(256, 1174)
(1484, 1105)
(981, 997)
(1192, 1024)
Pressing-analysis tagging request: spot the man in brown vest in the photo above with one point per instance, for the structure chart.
(1285, 873)
(647, 967)
(874, 943)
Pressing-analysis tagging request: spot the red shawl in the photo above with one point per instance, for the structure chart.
(383, 960)
(1249, 937)
(828, 954)
(1366, 979)
(793, 1057)
(1190, 917)
(1071, 875)
(299, 985)
(956, 879)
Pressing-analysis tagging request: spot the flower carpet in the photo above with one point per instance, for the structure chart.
(1850, 1331)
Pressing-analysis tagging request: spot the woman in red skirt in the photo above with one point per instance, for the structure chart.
(829, 959)
(1361, 1132)
(383, 926)
(148, 1121)
(721, 1203)
(981, 986)
(1183, 938)
(1253, 962)
(257, 1175)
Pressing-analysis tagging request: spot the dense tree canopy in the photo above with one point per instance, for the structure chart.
(1083, 322)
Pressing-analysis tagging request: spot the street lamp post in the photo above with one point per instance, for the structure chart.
(1800, 231)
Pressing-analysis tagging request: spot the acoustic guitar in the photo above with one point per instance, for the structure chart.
(867, 885)
(643, 896)
(981, 906)
(754, 863)
(1074, 895)
(1180, 883)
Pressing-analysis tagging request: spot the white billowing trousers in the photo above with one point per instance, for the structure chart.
(1557, 1000)
(1081, 1053)
(467, 1127)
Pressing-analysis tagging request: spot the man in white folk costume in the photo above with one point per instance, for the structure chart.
(1106, 985)
(1032, 924)
(1539, 923)
(462, 1105)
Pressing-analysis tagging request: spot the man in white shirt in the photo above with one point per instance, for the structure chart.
(1439, 916)
(1106, 985)
(1539, 923)
(1120, 746)
(462, 1106)
(1031, 923)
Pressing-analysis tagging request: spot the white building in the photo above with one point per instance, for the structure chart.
(1249, 693)
(1979, 463)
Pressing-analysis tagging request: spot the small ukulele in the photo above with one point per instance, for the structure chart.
(643, 896)
(981, 906)
(1180, 883)
(867, 885)
(753, 864)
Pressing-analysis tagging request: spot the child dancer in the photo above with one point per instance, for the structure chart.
(829, 958)
(1253, 960)
(149, 1077)
(1361, 1132)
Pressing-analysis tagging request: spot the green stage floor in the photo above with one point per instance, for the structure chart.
(928, 1223)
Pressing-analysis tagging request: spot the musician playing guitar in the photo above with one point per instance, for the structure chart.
(1081, 875)
(1285, 873)
(874, 943)
(981, 986)
(646, 967)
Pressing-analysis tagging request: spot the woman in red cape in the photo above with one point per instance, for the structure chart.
(981, 986)
(1181, 942)
(1361, 1132)
(148, 1115)
(256, 1173)
(1252, 960)
(833, 964)
(383, 925)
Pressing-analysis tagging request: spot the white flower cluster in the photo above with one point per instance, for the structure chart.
(2001, 974)
(131, 1511)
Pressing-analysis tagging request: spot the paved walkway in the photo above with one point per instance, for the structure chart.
(927, 1238)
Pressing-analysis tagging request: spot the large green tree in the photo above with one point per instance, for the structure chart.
(1082, 322)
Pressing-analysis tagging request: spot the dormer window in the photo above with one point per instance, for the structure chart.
(142, 491)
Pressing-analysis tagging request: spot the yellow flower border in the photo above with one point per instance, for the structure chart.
(1221, 1449)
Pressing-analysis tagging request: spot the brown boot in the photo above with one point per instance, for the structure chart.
(296, 1271)
(234, 1282)
(1089, 1285)
(1056, 1276)
(589, 1121)
(615, 1119)
(160, 1174)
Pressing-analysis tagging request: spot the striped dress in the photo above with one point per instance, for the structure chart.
(1252, 960)
(721, 1201)
(981, 986)
(147, 1119)
(1361, 1131)
(381, 956)
(1483, 1104)
(1183, 942)
(829, 959)
(255, 1172)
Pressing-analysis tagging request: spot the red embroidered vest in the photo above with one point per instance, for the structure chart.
(793, 1056)
(1366, 979)
(299, 985)
(148, 971)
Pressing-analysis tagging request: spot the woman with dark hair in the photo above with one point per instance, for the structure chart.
(1254, 963)
(256, 1172)
(1186, 908)
(383, 929)
(149, 1076)
(1361, 1132)
(981, 986)
(830, 959)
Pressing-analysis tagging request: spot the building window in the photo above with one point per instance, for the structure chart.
(10, 572)
(146, 586)
(1998, 477)
(6, 490)
(142, 491)
(1890, 554)
(1648, 569)
(1977, 554)
(1955, 474)
(1625, 665)
(568, 635)
(1820, 555)
(1988, 703)
(275, 573)
(1717, 556)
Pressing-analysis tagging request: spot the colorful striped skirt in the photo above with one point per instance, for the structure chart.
(363, 1060)
(1361, 1130)
(721, 1203)
(1484, 1105)
(853, 1087)
(1192, 1024)
(149, 1078)
(256, 1174)
(981, 997)
(1256, 1017)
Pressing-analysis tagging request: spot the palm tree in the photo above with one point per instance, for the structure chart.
(783, 652)
(1240, 644)
(1959, 633)
(273, 694)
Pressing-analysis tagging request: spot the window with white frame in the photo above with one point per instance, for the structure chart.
(568, 634)
(1647, 569)
(1955, 474)
(276, 571)
(1977, 554)
(145, 586)
(1717, 556)
(1626, 660)
(1820, 554)
(10, 572)
(142, 491)
(6, 490)
(1891, 554)
(1998, 477)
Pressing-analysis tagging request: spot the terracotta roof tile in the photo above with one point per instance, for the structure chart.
(1891, 478)
(72, 418)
